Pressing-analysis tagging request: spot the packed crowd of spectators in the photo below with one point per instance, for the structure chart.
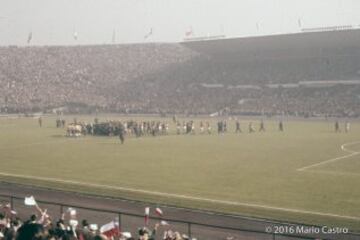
(170, 78)
(205, 85)
(337, 101)
(38, 78)
(42, 226)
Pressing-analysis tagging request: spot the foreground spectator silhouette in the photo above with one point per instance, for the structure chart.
(42, 226)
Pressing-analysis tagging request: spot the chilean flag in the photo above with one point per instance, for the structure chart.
(159, 212)
(147, 213)
(110, 229)
(189, 33)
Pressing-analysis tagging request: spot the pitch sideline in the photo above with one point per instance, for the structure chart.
(179, 196)
(343, 148)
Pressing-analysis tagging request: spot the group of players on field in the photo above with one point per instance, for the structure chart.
(346, 127)
(205, 127)
(155, 128)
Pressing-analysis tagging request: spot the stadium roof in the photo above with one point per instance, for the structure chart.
(299, 45)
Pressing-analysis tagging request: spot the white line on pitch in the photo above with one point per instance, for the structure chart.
(37, 143)
(343, 148)
(180, 196)
(335, 173)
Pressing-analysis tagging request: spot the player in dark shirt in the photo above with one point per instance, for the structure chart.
(337, 126)
(281, 126)
(238, 129)
(262, 126)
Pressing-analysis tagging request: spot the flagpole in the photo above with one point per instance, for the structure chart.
(119, 222)
(114, 37)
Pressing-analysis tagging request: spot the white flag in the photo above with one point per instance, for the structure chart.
(147, 212)
(30, 201)
(110, 229)
(73, 223)
(72, 212)
(126, 234)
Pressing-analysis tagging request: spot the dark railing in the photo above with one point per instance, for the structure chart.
(255, 234)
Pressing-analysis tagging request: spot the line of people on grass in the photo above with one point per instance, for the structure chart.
(156, 128)
(153, 128)
(346, 127)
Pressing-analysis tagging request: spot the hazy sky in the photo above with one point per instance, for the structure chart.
(54, 22)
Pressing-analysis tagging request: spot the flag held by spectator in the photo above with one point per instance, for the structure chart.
(110, 229)
(159, 212)
(73, 223)
(126, 235)
(164, 223)
(147, 213)
(72, 212)
(93, 227)
(30, 201)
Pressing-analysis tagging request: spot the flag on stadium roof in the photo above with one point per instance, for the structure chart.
(126, 234)
(29, 37)
(110, 229)
(299, 23)
(113, 40)
(30, 201)
(147, 213)
(148, 34)
(189, 32)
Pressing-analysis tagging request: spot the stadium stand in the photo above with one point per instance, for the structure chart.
(43, 226)
(43, 223)
(38, 78)
(303, 75)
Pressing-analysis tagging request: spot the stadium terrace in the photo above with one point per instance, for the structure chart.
(184, 78)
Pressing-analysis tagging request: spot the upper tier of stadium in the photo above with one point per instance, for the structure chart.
(298, 45)
(273, 74)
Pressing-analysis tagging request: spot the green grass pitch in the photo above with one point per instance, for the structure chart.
(258, 172)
